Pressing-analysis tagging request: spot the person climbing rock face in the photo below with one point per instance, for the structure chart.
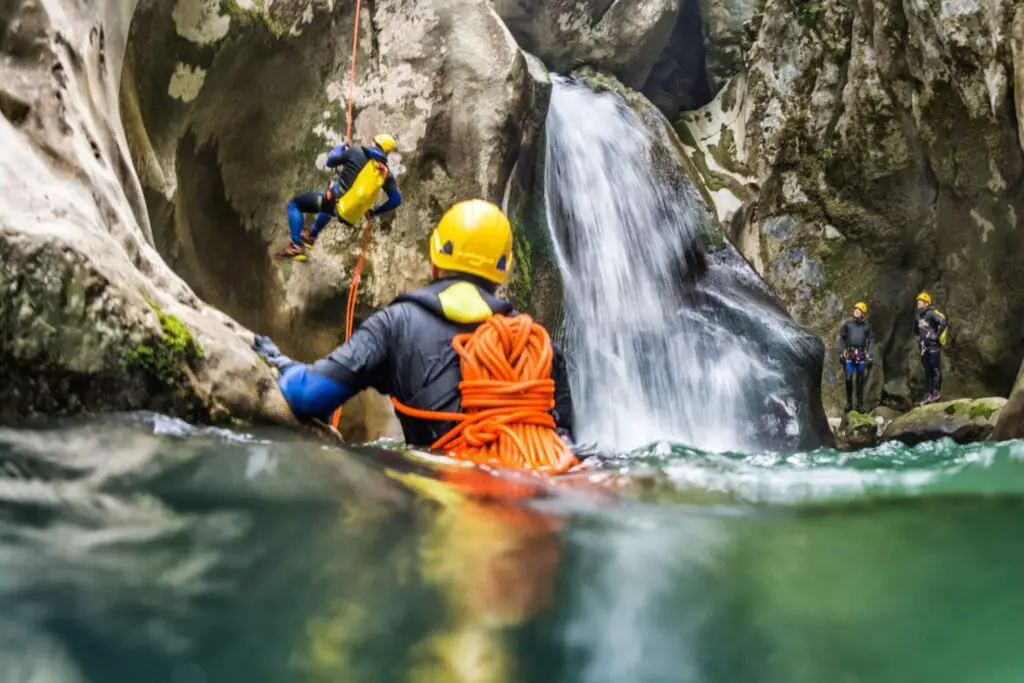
(362, 173)
(405, 350)
(856, 352)
(929, 328)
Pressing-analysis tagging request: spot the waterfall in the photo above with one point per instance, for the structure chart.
(671, 335)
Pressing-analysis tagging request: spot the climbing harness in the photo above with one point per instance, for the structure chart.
(353, 290)
(507, 395)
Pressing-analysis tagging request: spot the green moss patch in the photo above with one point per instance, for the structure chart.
(165, 359)
(981, 410)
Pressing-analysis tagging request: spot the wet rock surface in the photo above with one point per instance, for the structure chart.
(90, 315)
(964, 421)
(868, 151)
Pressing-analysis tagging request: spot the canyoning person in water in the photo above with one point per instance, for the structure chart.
(856, 353)
(405, 350)
(930, 326)
(361, 173)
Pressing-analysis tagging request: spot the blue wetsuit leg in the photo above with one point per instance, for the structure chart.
(322, 220)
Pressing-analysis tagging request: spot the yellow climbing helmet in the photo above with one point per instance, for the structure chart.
(925, 297)
(475, 237)
(861, 306)
(385, 142)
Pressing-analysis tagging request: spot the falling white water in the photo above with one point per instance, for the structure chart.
(660, 352)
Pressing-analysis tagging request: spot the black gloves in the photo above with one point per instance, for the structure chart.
(268, 350)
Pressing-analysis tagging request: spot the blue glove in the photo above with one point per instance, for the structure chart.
(268, 350)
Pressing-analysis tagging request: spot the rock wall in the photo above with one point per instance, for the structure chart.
(622, 37)
(235, 115)
(90, 315)
(866, 151)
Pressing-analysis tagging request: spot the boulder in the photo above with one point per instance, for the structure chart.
(1011, 418)
(858, 430)
(622, 37)
(867, 151)
(90, 315)
(963, 420)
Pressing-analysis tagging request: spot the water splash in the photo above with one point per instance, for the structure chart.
(671, 333)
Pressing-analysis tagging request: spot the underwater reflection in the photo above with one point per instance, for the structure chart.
(488, 562)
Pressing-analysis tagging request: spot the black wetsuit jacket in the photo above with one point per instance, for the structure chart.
(856, 334)
(928, 327)
(405, 350)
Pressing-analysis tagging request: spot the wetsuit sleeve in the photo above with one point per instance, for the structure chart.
(394, 197)
(563, 394)
(938, 322)
(871, 342)
(311, 394)
(338, 156)
(844, 337)
(358, 363)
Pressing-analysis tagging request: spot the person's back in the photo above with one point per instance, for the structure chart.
(406, 349)
(362, 172)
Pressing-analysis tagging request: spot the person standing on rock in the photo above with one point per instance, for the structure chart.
(406, 349)
(362, 173)
(930, 327)
(856, 352)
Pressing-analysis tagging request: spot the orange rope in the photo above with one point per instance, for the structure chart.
(353, 295)
(357, 275)
(507, 395)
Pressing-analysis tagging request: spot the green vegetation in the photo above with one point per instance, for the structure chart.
(710, 237)
(981, 410)
(164, 359)
(855, 420)
(261, 14)
(521, 285)
(953, 408)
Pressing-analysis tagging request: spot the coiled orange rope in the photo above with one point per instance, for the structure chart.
(507, 395)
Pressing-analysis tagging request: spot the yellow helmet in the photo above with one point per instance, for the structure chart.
(385, 142)
(474, 237)
(861, 306)
(925, 297)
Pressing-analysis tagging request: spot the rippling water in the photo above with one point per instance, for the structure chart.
(136, 548)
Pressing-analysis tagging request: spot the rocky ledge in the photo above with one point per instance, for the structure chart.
(963, 420)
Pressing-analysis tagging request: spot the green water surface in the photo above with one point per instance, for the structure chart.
(139, 549)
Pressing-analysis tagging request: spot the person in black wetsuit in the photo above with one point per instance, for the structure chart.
(929, 326)
(856, 352)
(405, 349)
(362, 173)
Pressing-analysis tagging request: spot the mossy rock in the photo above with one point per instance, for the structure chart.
(857, 430)
(963, 420)
(167, 362)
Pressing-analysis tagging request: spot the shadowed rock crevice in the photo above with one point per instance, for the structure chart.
(679, 81)
(224, 263)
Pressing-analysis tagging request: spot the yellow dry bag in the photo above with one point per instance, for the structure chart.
(360, 198)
